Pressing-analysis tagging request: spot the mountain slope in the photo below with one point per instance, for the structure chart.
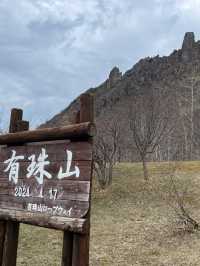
(177, 74)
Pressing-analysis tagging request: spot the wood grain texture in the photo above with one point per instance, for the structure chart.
(69, 186)
(82, 151)
(78, 225)
(53, 168)
(80, 131)
(27, 195)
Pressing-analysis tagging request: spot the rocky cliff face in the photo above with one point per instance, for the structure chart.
(177, 74)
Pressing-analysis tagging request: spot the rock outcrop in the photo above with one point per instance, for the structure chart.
(189, 47)
(178, 74)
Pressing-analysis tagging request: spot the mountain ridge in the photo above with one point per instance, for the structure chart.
(171, 73)
(142, 72)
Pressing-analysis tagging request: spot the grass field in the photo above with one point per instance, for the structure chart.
(132, 222)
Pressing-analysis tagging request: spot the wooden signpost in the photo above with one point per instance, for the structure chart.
(45, 180)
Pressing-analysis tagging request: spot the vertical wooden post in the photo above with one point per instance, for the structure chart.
(86, 108)
(2, 238)
(10, 244)
(76, 246)
(81, 242)
(9, 237)
(22, 126)
(15, 117)
(67, 248)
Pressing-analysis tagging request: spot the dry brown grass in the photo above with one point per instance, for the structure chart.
(132, 222)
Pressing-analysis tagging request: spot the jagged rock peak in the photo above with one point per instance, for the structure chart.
(190, 49)
(189, 41)
(114, 76)
(115, 72)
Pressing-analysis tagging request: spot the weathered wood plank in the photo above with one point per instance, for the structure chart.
(56, 222)
(62, 196)
(73, 132)
(53, 169)
(77, 210)
(19, 203)
(82, 151)
(66, 197)
(68, 186)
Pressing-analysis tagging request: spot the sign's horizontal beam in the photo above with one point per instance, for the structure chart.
(78, 225)
(71, 132)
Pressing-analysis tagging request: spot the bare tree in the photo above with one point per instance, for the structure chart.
(179, 207)
(149, 123)
(177, 199)
(187, 101)
(105, 151)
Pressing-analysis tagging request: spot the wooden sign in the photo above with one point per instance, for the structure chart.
(46, 183)
(45, 180)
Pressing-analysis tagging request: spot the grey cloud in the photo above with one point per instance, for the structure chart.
(52, 50)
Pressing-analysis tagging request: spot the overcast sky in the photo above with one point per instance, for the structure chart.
(52, 50)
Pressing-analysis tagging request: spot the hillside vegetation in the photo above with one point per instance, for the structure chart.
(132, 221)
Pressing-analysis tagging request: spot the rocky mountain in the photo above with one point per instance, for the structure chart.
(177, 75)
